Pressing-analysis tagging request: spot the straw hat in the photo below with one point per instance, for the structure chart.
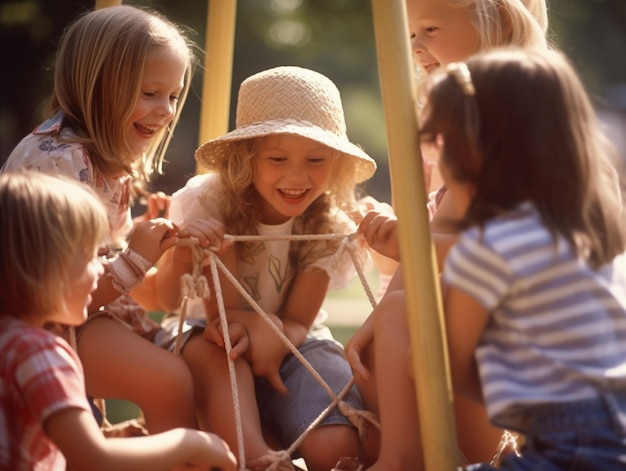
(289, 100)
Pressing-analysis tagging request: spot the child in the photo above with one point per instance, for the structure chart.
(287, 168)
(442, 31)
(51, 228)
(534, 294)
(451, 30)
(121, 77)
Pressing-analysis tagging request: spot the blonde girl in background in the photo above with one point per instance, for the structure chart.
(287, 168)
(121, 76)
(451, 30)
(51, 231)
(442, 32)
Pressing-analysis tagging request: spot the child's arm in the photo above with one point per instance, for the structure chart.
(466, 320)
(385, 265)
(149, 239)
(157, 205)
(301, 307)
(303, 304)
(146, 293)
(77, 435)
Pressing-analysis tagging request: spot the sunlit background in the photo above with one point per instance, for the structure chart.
(334, 37)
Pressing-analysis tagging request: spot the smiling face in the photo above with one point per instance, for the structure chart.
(162, 82)
(440, 33)
(290, 173)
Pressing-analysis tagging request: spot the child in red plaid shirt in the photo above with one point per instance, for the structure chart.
(51, 228)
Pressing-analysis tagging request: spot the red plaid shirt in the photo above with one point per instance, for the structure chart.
(40, 374)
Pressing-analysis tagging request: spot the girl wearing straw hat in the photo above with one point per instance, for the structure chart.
(287, 169)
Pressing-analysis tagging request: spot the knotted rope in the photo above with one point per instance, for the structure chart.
(195, 285)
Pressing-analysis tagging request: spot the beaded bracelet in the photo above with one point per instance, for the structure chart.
(127, 270)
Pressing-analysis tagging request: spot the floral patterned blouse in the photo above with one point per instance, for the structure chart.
(50, 149)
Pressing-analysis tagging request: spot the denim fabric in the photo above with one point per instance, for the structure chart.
(585, 435)
(288, 416)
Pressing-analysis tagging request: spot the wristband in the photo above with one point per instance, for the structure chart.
(127, 270)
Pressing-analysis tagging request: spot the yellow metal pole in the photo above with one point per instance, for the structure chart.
(107, 3)
(218, 69)
(430, 359)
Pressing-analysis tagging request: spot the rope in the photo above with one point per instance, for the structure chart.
(508, 442)
(231, 363)
(196, 285)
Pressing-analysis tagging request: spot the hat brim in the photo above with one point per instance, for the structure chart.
(212, 153)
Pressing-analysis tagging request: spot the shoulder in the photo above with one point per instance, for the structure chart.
(21, 343)
(43, 368)
(50, 151)
(487, 261)
(509, 234)
(196, 199)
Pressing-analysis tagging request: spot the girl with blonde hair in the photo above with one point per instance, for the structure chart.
(51, 229)
(121, 77)
(288, 168)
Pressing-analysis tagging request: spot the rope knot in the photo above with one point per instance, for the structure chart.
(186, 285)
(348, 243)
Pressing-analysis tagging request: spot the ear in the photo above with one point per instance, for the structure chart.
(506, 23)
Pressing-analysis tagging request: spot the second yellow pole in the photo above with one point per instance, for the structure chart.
(430, 361)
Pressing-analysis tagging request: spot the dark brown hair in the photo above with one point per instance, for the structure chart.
(529, 133)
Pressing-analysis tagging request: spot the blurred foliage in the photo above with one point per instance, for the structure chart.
(334, 37)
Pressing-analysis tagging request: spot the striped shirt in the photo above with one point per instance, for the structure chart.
(40, 374)
(557, 328)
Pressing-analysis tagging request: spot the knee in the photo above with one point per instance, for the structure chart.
(326, 444)
(206, 362)
(174, 382)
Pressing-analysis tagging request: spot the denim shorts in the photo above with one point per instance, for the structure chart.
(287, 416)
(587, 435)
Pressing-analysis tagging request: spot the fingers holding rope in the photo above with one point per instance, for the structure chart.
(237, 332)
(208, 234)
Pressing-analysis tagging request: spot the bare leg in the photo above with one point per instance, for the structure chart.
(120, 364)
(400, 447)
(323, 446)
(214, 397)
